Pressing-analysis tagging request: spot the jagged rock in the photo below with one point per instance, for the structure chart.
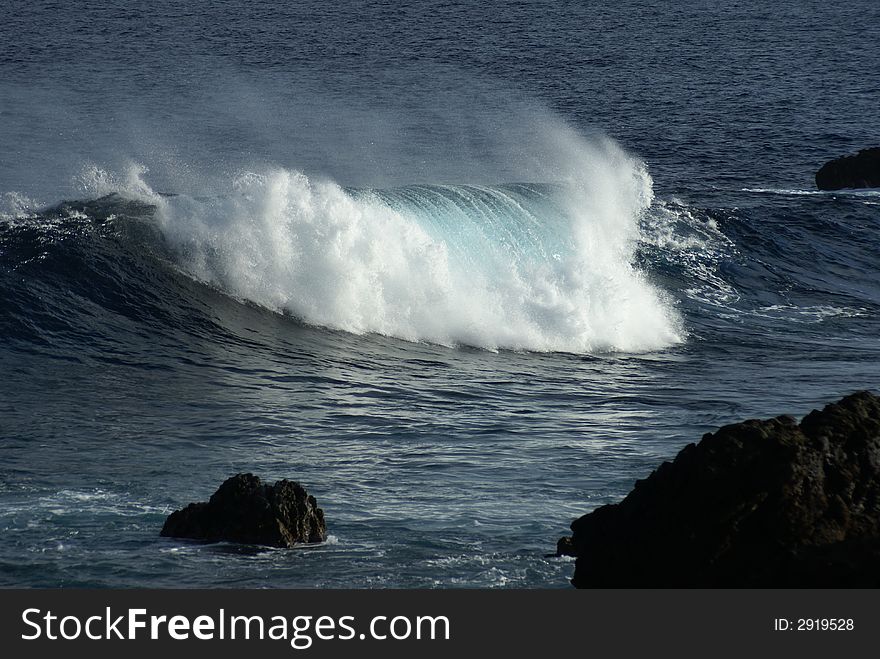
(756, 504)
(861, 170)
(247, 511)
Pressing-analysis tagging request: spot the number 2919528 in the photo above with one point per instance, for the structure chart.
(813, 624)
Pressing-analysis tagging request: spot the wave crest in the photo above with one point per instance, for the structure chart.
(530, 267)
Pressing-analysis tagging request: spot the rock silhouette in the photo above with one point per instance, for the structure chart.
(248, 511)
(861, 170)
(766, 503)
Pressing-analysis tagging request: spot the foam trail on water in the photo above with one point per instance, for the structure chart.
(531, 267)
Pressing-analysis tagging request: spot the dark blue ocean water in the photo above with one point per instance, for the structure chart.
(465, 271)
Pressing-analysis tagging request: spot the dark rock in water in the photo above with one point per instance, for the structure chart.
(247, 511)
(565, 547)
(756, 504)
(861, 170)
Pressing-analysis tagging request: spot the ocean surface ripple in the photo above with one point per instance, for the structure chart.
(465, 288)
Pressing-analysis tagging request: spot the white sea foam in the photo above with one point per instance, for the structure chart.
(846, 192)
(695, 242)
(16, 206)
(493, 267)
(808, 314)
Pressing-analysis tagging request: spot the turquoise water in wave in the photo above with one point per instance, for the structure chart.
(466, 273)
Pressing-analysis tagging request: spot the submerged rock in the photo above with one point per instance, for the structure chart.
(756, 504)
(245, 510)
(861, 170)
